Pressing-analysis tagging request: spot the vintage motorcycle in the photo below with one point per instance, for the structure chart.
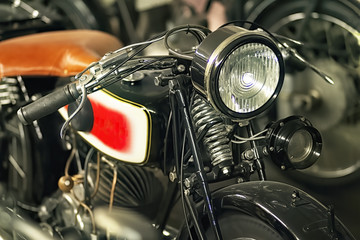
(171, 137)
(327, 34)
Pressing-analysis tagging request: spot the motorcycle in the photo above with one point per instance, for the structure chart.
(171, 137)
(327, 35)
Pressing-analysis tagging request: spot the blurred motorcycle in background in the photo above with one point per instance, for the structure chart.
(18, 18)
(327, 35)
(191, 137)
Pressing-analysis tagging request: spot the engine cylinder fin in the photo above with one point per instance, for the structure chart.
(136, 188)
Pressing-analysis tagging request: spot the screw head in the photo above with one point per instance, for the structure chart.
(172, 176)
(181, 68)
(187, 183)
(66, 183)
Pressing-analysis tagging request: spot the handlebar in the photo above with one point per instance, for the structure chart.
(69, 93)
(48, 104)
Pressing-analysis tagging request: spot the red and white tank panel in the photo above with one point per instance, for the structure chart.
(125, 121)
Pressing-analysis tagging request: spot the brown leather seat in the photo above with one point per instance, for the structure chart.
(58, 53)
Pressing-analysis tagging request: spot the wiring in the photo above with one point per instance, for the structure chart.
(113, 185)
(88, 209)
(82, 103)
(166, 140)
(148, 42)
(138, 47)
(79, 180)
(97, 181)
(149, 63)
(182, 186)
(255, 137)
(199, 32)
(96, 84)
(86, 172)
(71, 156)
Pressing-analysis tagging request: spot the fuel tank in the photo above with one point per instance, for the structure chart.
(127, 120)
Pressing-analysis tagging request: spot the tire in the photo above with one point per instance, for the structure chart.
(20, 165)
(81, 14)
(330, 30)
(32, 165)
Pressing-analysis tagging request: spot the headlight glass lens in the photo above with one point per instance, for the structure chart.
(249, 77)
(300, 146)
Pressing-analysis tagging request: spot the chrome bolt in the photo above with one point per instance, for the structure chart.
(181, 68)
(172, 176)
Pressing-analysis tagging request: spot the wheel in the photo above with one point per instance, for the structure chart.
(330, 33)
(32, 162)
(18, 161)
(80, 14)
(32, 156)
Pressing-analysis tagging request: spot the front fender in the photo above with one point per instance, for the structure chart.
(291, 211)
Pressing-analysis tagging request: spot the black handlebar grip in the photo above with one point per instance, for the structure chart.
(48, 104)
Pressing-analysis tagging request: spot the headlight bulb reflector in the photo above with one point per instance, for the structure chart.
(249, 77)
(239, 71)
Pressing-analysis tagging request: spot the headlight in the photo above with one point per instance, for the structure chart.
(293, 143)
(239, 71)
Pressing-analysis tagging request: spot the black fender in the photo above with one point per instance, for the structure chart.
(291, 211)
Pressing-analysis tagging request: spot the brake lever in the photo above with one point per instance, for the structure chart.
(77, 110)
(84, 86)
(295, 54)
(291, 51)
(88, 83)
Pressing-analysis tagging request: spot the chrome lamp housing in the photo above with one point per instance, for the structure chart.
(239, 71)
(293, 143)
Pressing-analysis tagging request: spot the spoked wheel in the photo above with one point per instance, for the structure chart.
(238, 226)
(80, 14)
(330, 33)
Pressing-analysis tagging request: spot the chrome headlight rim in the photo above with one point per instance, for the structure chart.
(219, 57)
(213, 52)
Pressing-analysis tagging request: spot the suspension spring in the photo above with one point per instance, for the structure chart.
(215, 140)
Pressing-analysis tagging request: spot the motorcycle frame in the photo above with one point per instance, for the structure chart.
(286, 208)
(177, 101)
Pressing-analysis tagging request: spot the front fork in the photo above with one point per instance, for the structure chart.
(180, 111)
